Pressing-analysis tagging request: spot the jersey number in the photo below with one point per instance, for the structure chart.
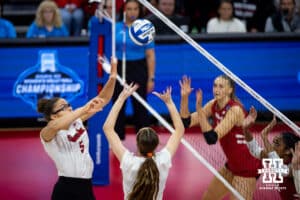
(77, 135)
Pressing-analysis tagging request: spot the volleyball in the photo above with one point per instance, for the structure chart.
(142, 32)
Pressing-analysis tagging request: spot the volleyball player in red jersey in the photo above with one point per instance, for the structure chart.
(227, 114)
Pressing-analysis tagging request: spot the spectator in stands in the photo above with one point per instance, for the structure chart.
(153, 3)
(285, 20)
(103, 10)
(253, 13)
(7, 29)
(94, 4)
(72, 15)
(199, 12)
(225, 21)
(167, 7)
(108, 8)
(277, 5)
(47, 22)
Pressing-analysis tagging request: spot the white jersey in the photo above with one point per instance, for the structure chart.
(130, 165)
(69, 150)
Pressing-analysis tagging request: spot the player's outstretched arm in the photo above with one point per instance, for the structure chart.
(175, 138)
(109, 124)
(252, 144)
(188, 119)
(264, 135)
(106, 92)
(108, 89)
(63, 123)
(185, 91)
(248, 122)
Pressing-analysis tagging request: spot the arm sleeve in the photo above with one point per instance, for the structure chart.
(186, 121)
(211, 137)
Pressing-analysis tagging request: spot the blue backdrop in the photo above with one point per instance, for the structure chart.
(270, 68)
(15, 60)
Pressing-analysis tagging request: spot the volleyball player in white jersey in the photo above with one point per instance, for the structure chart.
(145, 174)
(66, 141)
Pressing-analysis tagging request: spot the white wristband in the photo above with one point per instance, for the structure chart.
(254, 148)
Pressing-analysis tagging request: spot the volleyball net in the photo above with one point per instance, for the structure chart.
(214, 158)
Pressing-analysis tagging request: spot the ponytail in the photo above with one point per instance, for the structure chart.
(146, 185)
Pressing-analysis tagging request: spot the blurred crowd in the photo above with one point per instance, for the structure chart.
(71, 17)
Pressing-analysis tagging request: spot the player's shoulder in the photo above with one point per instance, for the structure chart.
(211, 102)
(237, 109)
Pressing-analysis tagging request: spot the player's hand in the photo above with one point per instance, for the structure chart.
(268, 128)
(250, 119)
(165, 96)
(94, 105)
(185, 86)
(128, 90)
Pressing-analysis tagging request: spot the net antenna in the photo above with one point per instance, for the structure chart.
(113, 29)
(221, 67)
(102, 13)
(107, 67)
(124, 45)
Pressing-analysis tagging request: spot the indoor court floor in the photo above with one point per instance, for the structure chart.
(27, 173)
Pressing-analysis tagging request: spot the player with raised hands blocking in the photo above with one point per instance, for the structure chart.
(227, 114)
(281, 147)
(144, 174)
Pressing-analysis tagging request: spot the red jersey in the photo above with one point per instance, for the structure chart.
(239, 160)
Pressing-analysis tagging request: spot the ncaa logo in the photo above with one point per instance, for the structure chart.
(48, 78)
(273, 170)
